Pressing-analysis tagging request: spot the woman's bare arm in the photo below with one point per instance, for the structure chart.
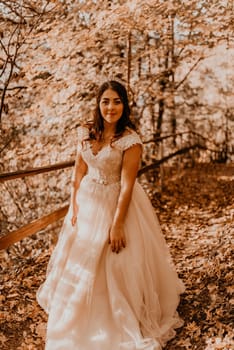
(130, 166)
(80, 171)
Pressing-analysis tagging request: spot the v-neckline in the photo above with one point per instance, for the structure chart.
(105, 146)
(100, 150)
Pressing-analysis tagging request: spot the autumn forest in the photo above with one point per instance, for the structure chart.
(176, 59)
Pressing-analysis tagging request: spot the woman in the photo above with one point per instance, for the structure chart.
(110, 282)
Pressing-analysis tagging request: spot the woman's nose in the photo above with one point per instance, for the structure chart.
(110, 105)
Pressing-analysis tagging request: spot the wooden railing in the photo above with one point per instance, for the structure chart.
(40, 223)
(43, 222)
(32, 228)
(34, 171)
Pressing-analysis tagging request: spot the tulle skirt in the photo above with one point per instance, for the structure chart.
(100, 300)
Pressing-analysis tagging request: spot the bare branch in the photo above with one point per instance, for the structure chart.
(17, 38)
(159, 139)
(15, 88)
(188, 73)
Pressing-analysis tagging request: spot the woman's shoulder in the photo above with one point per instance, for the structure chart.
(131, 134)
(128, 139)
(83, 131)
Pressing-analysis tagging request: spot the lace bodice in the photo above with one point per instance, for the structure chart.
(105, 167)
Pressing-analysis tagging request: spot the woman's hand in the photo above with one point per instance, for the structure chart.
(74, 214)
(117, 238)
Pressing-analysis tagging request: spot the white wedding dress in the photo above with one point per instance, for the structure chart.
(100, 300)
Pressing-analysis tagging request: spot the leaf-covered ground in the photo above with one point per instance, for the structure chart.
(196, 211)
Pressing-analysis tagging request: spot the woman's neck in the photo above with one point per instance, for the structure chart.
(109, 129)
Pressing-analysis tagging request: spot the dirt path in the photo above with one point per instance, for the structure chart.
(197, 215)
(196, 211)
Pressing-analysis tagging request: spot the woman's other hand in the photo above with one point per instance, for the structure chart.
(117, 239)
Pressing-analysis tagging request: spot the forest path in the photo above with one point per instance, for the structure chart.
(196, 211)
(197, 217)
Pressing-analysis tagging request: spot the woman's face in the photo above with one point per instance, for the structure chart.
(111, 106)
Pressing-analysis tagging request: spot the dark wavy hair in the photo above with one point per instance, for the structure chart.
(124, 122)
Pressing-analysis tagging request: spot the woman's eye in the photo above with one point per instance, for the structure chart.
(106, 102)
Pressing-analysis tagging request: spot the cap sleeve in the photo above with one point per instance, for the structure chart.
(128, 141)
(82, 135)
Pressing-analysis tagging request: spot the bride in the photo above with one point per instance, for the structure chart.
(110, 284)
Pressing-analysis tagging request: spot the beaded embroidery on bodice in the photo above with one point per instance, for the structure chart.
(105, 166)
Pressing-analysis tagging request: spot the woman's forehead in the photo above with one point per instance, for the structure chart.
(110, 94)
